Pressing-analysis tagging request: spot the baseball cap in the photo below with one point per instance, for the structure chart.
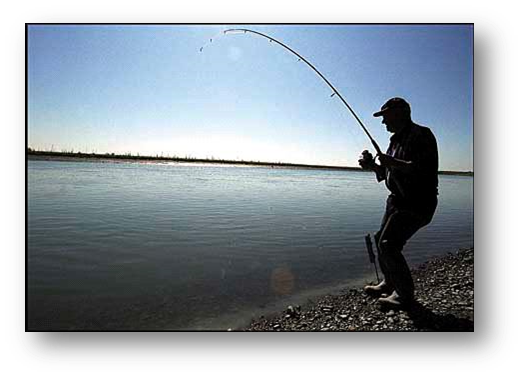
(393, 103)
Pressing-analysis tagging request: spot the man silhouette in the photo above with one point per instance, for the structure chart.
(410, 171)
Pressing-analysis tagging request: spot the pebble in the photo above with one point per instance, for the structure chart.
(441, 306)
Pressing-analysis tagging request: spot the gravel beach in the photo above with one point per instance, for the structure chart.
(444, 302)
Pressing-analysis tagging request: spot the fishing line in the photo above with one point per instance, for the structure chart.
(211, 40)
(300, 59)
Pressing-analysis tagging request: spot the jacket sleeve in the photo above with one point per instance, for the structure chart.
(380, 174)
(425, 156)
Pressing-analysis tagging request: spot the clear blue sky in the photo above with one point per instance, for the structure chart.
(149, 90)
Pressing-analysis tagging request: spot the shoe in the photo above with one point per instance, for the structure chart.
(394, 301)
(377, 290)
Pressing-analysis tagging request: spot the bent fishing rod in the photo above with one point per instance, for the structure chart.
(301, 58)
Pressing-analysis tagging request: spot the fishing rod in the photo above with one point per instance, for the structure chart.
(301, 58)
(374, 143)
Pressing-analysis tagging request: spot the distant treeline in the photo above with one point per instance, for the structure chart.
(137, 157)
(457, 173)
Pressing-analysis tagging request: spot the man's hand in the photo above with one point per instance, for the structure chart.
(367, 161)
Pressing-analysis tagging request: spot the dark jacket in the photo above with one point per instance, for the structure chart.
(417, 189)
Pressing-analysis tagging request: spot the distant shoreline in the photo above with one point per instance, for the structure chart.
(80, 156)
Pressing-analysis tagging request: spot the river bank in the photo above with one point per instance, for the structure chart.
(445, 302)
(128, 158)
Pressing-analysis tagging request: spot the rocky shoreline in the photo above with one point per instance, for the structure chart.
(444, 302)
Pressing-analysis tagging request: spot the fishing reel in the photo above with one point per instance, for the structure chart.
(366, 156)
(367, 161)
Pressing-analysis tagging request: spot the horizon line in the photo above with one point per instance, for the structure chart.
(189, 159)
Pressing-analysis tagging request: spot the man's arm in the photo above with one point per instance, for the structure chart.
(380, 172)
(424, 155)
(388, 161)
(369, 164)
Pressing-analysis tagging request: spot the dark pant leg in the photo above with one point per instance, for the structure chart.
(397, 227)
(383, 262)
